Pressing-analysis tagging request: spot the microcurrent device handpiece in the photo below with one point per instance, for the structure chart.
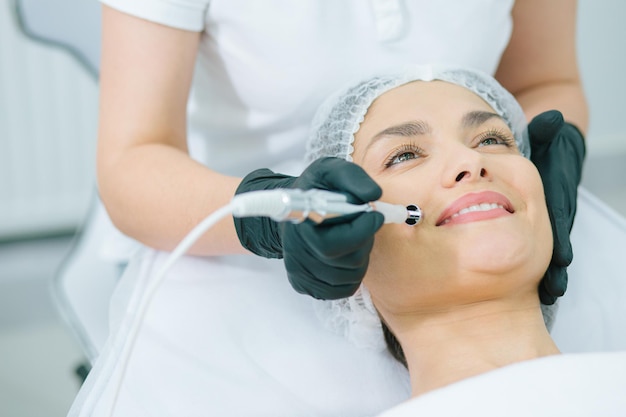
(296, 205)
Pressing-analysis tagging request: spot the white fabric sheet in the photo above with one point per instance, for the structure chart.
(572, 385)
(592, 314)
(208, 348)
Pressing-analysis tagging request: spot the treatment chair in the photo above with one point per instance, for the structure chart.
(83, 285)
(592, 315)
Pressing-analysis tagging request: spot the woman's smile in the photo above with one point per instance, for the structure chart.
(473, 207)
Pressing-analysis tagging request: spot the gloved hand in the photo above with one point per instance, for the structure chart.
(558, 151)
(327, 260)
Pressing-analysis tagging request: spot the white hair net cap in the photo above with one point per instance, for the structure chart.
(340, 116)
(332, 134)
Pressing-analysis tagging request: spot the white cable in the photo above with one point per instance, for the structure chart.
(152, 287)
(278, 204)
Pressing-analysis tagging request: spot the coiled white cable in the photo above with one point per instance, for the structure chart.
(152, 287)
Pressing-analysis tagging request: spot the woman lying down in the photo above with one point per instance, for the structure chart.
(456, 295)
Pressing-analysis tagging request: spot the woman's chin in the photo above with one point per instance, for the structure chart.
(496, 253)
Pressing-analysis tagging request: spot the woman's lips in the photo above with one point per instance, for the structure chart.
(472, 207)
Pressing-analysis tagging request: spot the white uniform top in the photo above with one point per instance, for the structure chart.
(228, 336)
(265, 66)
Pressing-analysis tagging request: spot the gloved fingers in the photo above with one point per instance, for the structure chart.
(543, 128)
(325, 282)
(341, 271)
(546, 298)
(562, 254)
(259, 235)
(561, 209)
(329, 261)
(263, 179)
(336, 174)
(553, 284)
(347, 269)
(333, 276)
(357, 258)
(321, 290)
(342, 291)
(575, 149)
(337, 240)
(557, 150)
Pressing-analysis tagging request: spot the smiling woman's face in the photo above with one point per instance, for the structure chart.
(485, 232)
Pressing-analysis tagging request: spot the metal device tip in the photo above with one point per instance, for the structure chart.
(414, 214)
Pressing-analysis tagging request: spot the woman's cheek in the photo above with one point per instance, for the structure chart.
(538, 211)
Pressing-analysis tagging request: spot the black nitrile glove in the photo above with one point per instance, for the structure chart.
(558, 151)
(327, 260)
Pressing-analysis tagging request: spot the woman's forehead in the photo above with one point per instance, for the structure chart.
(429, 94)
(421, 101)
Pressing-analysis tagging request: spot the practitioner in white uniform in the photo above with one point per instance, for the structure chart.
(196, 95)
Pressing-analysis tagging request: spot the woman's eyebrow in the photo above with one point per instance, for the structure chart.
(478, 117)
(419, 127)
(407, 129)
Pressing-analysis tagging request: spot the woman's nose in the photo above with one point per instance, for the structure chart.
(464, 165)
(467, 175)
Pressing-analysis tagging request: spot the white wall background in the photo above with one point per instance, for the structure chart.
(48, 108)
(48, 117)
(602, 58)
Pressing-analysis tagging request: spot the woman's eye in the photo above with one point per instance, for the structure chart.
(489, 141)
(496, 137)
(404, 154)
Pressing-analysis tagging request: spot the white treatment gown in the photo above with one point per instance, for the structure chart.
(228, 336)
(572, 385)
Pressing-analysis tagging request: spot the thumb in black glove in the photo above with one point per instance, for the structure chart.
(558, 152)
(326, 261)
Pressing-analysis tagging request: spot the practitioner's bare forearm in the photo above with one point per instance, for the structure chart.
(539, 66)
(153, 191)
(157, 194)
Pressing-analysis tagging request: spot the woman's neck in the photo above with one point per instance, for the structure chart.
(444, 347)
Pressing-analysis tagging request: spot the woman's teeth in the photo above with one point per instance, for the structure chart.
(477, 207)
